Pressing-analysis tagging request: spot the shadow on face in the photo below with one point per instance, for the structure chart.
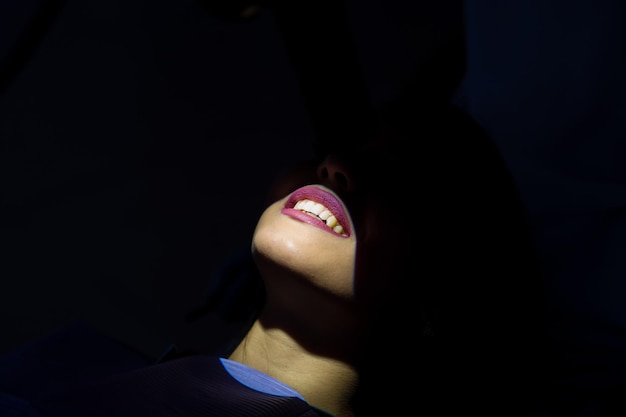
(460, 271)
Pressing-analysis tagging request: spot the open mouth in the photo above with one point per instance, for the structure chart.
(320, 211)
(319, 208)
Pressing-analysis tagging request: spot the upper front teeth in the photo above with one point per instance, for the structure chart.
(320, 211)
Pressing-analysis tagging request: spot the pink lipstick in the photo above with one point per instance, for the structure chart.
(319, 208)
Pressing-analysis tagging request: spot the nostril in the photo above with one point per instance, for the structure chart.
(342, 180)
(334, 171)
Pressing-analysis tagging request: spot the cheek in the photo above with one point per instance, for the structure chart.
(384, 253)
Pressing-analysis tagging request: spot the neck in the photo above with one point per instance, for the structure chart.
(324, 381)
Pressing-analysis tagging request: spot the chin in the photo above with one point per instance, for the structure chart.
(278, 264)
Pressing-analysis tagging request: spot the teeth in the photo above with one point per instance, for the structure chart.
(318, 210)
(331, 221)
(308, 205)
(324, 214)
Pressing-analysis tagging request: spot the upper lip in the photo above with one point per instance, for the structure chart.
(325, 198)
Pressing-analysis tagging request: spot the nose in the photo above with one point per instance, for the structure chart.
(334, 172)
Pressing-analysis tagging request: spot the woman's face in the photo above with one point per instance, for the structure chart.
(335, 225)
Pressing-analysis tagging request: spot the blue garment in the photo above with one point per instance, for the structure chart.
(77, 372)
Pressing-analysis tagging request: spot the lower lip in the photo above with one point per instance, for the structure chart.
(308, 219)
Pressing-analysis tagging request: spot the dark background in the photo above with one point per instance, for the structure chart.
(138, 139)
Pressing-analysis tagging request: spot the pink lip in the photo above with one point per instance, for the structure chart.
(320, 196)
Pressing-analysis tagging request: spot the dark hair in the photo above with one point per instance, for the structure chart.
(466, 329)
